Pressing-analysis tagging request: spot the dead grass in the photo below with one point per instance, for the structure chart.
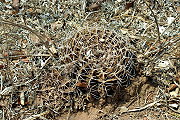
(54, 61)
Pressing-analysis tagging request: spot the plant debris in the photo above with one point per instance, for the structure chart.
(92, 59)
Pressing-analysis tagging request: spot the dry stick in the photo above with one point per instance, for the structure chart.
(28, 55)
(157, 25)
(88, 16)
(39, 73)
(142, 108)
(170, 44)
(176, 111)
(161, 35)
(169, 25)
(8, 69)
(33, 117)
(41, 38)
(134, 99)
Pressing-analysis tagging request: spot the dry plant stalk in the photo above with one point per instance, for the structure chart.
(44, 39)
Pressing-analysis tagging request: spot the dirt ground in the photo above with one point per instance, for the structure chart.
(141, 93)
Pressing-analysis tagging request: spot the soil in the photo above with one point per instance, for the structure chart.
(141, 92)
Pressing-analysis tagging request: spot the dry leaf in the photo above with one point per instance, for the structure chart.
(30, 10)
(123, 109)
(81, 84)
(16, 4)
(170, 20)
(53, 50)
(94, 7)
(34, 38)
(145, 118)
(164, 64)
(57, 25)
(26, 60)
(129, 5)
(172, 87)
(14, 12)
(177, 79)
(101, 40)
(173, 94)
(2, 66)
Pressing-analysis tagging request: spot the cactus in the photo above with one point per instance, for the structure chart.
(97, 63)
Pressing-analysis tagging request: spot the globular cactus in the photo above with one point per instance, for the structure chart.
(97, 63)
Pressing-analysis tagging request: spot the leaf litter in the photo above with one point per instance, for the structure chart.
(115, 59)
